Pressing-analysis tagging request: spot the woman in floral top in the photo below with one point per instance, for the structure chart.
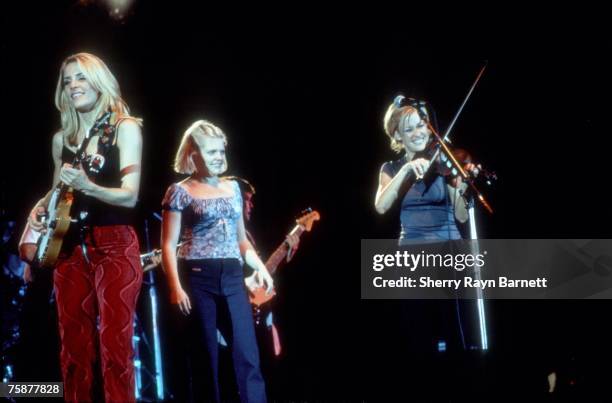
(205, 275)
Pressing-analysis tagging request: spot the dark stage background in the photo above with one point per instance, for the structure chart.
(302, 101)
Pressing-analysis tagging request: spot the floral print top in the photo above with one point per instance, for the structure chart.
(208, 226)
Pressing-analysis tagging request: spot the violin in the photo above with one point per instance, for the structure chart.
(449, 163)
(443, 165)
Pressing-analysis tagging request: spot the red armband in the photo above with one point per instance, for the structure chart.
(129, 169)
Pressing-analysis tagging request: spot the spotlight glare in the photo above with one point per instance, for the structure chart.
(118, 9)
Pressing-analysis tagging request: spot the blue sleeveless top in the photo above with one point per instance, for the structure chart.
(426, 211)
(208, 226)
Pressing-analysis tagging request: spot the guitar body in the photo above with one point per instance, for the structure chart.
(50, 244)
(259, 297)
(260, 312)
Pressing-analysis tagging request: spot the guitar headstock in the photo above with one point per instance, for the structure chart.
(151, 259)
(308, 218)
(102, 123)
(105, 126)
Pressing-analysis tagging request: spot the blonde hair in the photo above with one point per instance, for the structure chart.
(394, 121)
(102, 80)
(192, 138)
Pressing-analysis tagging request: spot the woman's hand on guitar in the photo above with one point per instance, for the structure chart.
(258, 279)
(179, 297)
(293, 240)
(266, 278)
(76, 178)
(34, 219)
(251, 282)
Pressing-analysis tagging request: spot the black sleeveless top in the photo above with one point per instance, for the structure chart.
(98, 212)
(426, 210)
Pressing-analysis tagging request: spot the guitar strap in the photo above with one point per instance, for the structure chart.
(80, 157)
(92, 164)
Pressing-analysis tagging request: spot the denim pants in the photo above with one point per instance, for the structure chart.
(218, 296)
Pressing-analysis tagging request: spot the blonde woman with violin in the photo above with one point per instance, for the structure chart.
(432, 203)
(431, 197)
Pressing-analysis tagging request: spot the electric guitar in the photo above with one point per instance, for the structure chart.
(151, 260)
(304, 223)
(58, 216)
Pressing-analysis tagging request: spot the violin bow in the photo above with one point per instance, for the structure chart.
(441, 142)
(465, 100)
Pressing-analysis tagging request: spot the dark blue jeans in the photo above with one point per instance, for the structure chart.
(218, 297)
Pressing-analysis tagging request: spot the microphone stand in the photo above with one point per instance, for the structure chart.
(475, 247)
(159, 378)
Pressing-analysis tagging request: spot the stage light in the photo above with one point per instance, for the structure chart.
(118, 9)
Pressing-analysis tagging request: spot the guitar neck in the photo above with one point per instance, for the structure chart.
(281, 252)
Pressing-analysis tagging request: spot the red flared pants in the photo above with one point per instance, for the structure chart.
(95, 304)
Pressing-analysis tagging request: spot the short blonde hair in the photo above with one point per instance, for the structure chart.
(395, 118)
(102, 80)
(183, 161)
